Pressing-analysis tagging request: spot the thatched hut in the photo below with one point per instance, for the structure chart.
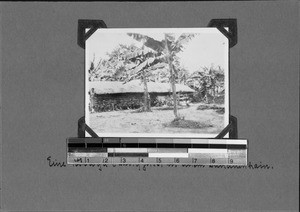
(113, 95)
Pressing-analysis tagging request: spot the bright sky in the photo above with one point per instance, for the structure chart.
(208, 47)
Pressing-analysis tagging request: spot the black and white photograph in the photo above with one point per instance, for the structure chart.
(157, 82)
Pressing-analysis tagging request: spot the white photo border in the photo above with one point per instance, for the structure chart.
(164, 30)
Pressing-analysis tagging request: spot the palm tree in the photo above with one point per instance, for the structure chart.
(166, 51)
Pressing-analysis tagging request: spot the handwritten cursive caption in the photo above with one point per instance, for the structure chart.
(52, 162)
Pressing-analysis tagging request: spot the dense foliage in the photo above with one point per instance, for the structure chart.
(158, 61)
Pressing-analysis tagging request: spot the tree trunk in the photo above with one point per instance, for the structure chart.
(172, 79)
(146, 94)
(92, 100)
(214, 89)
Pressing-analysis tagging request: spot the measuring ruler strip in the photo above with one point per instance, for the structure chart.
(155, 160)
(161, 150)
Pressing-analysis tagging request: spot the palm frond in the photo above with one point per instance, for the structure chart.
(183, 39)
(156, 45)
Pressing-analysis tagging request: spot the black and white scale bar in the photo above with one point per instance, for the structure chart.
(156, 140)
(153, 151)
(155, 145)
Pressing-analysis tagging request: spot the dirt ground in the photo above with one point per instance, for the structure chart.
(157, 121)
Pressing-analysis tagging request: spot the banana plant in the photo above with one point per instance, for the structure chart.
(166, 51)
(114, 68)
(207, 81)
(144, 62)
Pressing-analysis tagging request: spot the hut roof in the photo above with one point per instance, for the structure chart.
(135, 86)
